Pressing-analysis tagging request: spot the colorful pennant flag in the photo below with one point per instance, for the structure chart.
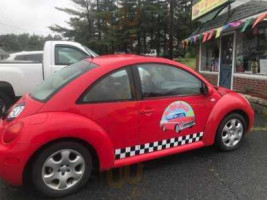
(218, 32)
(195, 38)
(225, 27)
(235, 24)
(200, 37)
(259, 19)
(183, 44)
(186, 42)
(247, 23)
(211, 33)
(192, 40)
(205, 37)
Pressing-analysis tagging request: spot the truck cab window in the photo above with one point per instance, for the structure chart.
(65, 55)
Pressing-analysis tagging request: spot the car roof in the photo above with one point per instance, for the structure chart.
(121, 59)
(116, 61)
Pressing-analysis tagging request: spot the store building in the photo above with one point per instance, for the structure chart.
(232, 48)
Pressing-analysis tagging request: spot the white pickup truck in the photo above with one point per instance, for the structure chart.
(20, 77)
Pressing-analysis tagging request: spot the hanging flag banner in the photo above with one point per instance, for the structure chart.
(200, 37)
(225, 27)
(259, 19)
(205, 37)
(235, 24)
(247, 24)
(183, 44)
(211, 34)
(186, 42)
(191, 40)
(195, 38)
(218, 32)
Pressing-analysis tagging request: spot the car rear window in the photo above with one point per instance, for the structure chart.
(61, 78)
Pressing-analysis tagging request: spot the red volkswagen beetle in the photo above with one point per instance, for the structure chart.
(107, 112)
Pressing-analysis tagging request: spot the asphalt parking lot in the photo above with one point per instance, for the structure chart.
(200, 174)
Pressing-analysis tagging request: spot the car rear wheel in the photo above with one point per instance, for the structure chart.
(231, 132)
(61, 169)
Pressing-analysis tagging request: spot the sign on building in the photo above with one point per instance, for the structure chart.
(203, 7)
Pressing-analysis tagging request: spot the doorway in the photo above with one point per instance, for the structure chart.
(227, 60)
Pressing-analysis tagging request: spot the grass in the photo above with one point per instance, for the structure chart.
(188, 61)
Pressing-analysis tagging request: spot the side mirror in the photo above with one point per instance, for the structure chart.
(207, 90)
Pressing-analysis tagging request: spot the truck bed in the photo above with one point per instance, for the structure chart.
(23, 76)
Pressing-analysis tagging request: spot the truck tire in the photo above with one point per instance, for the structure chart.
(61, 169)
(5, 102)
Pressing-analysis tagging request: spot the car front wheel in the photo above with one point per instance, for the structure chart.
(231, 132)
(61, 169)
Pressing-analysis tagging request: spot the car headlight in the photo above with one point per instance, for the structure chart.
(15, 112)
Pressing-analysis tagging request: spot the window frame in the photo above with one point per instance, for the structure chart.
(200, 51)
(249, 74)
(67, 46)
(132, 84)
(140, 95)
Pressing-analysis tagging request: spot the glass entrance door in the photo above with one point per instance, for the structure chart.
(226, 65)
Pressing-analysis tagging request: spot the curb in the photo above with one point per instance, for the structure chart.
(258, 104)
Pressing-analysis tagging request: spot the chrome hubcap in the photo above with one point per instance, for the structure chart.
(63, 169)
(232, 133)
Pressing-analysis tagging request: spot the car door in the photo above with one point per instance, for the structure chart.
(172, 110)
(110, 102)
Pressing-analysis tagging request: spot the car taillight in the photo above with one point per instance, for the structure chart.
(12, 132)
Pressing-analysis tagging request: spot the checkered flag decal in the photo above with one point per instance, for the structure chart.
(157, 146)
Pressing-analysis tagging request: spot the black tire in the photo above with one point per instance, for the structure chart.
(5, 102)
(219, 135)
(37, 167)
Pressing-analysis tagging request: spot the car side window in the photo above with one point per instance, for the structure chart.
(158, 80)
(30, 57)
(113, 87)
(65, 55)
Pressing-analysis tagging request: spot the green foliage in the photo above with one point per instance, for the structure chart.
(24, 42)
(133, 26)
(188, 61)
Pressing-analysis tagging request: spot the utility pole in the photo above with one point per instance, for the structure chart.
(171, 7)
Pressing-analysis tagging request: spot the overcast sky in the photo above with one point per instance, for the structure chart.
(34, 16)
(31, 16)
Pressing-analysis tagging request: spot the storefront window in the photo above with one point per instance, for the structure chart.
(210, 56)
(251, 51)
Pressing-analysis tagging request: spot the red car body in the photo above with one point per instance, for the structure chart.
(110, 126)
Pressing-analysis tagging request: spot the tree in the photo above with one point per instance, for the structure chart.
(24, 42)
(133, 26)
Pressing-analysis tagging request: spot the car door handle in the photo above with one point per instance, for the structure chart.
(146, 111)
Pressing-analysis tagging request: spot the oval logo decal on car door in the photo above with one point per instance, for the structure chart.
(178, 116)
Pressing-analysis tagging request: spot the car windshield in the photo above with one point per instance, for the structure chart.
(59, 79)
